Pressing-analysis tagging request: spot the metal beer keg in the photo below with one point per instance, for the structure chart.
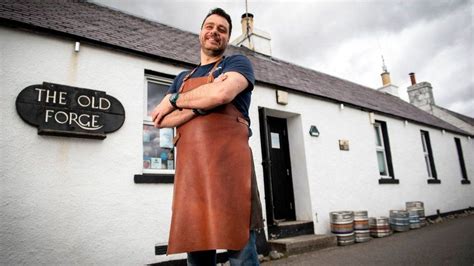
(379, 227)
(342, 225)
(361, 226)
(417, 206)
(414, 219)
(399, 220)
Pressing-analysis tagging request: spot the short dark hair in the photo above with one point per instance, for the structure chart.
(220, 12)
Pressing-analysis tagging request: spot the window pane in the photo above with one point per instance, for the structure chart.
(428, 165)
(158, 152)
(381, 161)
(378, 140)
(423, 141)
(155, 92)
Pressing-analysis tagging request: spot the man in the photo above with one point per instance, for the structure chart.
(215, 201)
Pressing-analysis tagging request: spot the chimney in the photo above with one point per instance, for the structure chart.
(252, 38)
(247, 23)
(421, 94)
(412, 78)
(386, 78)
(387, 86)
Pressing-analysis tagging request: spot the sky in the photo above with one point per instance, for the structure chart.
(432, 38)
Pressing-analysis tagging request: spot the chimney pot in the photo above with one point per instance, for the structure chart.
(412, 78)
(250, 15)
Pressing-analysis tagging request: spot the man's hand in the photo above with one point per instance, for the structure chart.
(161, 110)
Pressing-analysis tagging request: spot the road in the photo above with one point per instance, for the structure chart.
(448, 243)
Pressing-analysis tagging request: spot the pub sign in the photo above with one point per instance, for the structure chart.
(69, 111)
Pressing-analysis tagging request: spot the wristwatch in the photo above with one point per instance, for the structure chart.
(173, 99)
(199, 112)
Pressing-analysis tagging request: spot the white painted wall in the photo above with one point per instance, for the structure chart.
(70, 200)
(73, 201)
(348, 180)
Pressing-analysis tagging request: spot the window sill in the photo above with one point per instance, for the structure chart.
(434, 181)
(154, 179)
(465, 182)
(389, 181)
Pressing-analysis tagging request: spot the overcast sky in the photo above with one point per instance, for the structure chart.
(433, 38)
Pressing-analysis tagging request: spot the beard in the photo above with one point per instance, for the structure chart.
(213, 50)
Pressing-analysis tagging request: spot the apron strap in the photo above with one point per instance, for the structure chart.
(210, 77)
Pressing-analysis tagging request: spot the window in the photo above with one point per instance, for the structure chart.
(428, 154)
(382, 147)
(461, 161)
(158, 149)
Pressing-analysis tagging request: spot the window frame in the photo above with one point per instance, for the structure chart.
(462, 164)
(428, 154)
(167, 81)
(381, 148)
(381, 127)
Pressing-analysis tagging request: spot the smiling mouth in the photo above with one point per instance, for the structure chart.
(213, 40)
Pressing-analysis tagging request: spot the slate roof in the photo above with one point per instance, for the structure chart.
(462, 117)
(85, 21)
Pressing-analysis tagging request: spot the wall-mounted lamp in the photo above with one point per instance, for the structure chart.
(341, 106)
(77, 46)
(313, 131)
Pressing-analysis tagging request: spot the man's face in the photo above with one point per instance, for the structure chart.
(214, 35)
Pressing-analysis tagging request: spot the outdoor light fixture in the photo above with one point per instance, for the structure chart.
(313, 131)
(77, 46)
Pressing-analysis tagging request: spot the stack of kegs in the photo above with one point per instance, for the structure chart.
(361, 226)
(342, 225)
(414, 219)
(399, 220)
(379, 227)
(418, 208)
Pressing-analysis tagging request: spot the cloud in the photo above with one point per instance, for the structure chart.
(346, 38)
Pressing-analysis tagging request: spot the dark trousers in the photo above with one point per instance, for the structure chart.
(245, 257)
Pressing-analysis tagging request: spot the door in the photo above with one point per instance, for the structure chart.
(282, 184)
(279, 198)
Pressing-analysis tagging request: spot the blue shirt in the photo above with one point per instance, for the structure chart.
(235, 63)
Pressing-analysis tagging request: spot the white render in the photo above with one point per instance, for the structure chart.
(446, 116)
(73, 201)
(258, 41)
(390, 89)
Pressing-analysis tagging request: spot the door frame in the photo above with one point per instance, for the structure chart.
(267, 171)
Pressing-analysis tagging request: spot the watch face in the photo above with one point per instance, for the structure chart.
(173, 97)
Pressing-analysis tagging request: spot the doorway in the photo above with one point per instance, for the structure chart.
(279, 200)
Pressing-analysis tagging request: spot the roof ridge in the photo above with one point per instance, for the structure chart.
(115, 28)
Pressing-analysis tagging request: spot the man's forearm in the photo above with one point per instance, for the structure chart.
(223, 90)
(202, 97)
(176, 118)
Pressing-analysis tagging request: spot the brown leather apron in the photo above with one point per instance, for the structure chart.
(211, 200)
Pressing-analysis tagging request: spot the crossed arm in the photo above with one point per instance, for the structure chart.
(223, 90)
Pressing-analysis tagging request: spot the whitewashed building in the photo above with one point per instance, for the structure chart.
(320, 143)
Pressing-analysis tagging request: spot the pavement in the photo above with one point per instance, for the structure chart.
(450, 242)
